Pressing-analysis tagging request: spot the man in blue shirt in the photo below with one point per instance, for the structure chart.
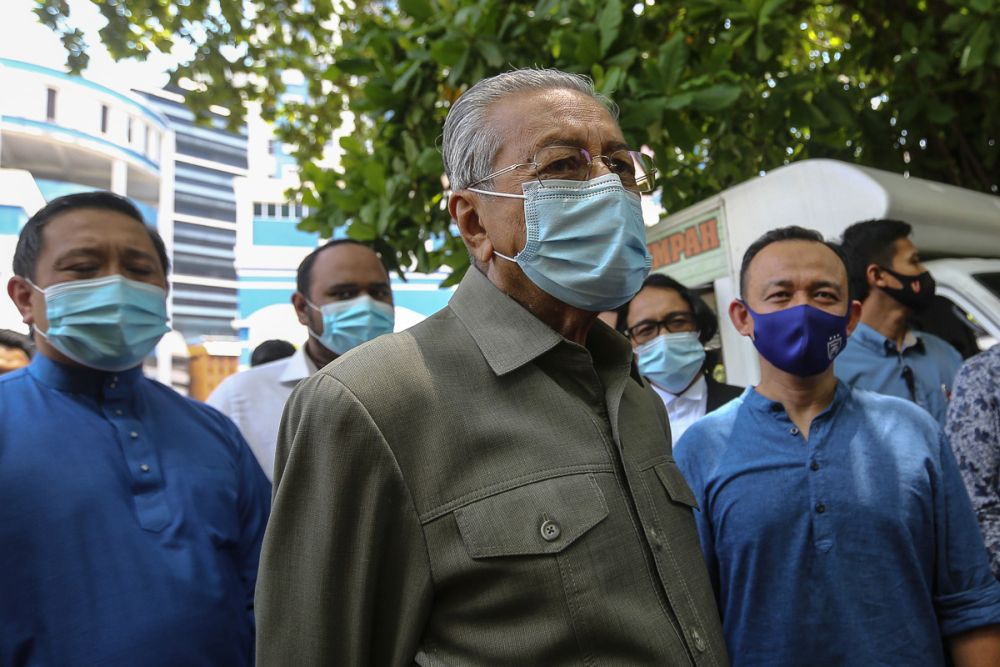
(885, 355)
(131, 517)
(833, 520)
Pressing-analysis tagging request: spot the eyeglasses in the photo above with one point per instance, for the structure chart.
(647, 330)
(571, 163)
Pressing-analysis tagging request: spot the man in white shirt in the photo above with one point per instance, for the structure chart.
(344, 299)
(669, 326)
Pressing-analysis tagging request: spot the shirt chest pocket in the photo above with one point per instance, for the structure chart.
(543, 517)
(673, 481)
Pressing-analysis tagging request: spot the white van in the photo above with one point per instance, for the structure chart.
(957, 230)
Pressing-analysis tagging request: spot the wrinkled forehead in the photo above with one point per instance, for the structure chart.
(529, 120)
(797, 262)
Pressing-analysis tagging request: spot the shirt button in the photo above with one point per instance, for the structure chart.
(550, 530)
(119, 412)
(134, 435)
(699, 643)
(794, 430)
(820, 508)
(654, 539)
(814, 466)
(113, 385)
(143, 467)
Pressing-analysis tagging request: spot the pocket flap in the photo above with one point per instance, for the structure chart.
(675, 484)
(539, 518)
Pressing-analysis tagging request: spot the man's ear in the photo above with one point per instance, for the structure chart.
(301, 308)
(741, 318)
(874, 275)
(854, 311)
(462, 207)
(20, 292)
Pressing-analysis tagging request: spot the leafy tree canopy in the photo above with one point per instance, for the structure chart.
(719, 90)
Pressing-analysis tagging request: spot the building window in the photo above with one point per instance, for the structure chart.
(104, 119)
(50, 104)
(128, 131)
(258, 210)
(272, 146)
(271, 213)
(284, 210)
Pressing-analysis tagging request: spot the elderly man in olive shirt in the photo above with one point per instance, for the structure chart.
(495, 485)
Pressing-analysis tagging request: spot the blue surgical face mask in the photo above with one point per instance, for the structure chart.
(802, 340)
(108, 323)
(347, 324)
(586, 241)
(672, 360)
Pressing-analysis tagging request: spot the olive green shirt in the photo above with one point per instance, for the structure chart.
(477, 490)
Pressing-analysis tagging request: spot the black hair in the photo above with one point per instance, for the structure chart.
(870, 242)
(791, 233)
(271, 350)
(29, 243)
(17, 341)
(303, 277)
(704, 317)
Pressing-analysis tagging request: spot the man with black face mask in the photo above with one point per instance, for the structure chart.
(885, 354)
(833, 520)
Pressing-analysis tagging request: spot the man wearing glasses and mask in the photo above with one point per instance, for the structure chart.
(669, 326)
(885, 355)
(495, 485)
(343, 298)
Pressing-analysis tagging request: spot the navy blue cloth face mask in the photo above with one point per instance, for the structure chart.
(802, 340)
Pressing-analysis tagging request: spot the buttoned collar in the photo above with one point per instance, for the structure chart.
(80, 380)
(761, 404)
(876, 342)
(297, 367)
(509, 336)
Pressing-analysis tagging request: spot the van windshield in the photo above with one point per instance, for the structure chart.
(990, 280)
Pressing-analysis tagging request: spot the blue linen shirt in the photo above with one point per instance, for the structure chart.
(856, 547)
(131, 520)
(871, 361)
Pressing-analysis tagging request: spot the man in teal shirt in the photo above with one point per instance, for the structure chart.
(884, 354)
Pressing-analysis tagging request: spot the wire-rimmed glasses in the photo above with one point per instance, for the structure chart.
(572, 163)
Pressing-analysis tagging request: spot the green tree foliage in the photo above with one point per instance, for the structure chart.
(719, 90)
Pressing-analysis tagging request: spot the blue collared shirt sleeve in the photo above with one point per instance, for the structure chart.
(254, 507)
(967, 595)
(973, 429)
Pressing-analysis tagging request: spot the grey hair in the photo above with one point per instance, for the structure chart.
(470, 145)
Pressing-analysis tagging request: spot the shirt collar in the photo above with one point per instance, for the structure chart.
(693, 394)
(762, 404)
(509, 336)
(79, 379)
(298, 367)
(876, 342)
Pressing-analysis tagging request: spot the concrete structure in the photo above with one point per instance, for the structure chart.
(61, 134)
(207, 159)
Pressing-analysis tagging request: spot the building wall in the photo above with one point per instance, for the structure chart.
(207, 159)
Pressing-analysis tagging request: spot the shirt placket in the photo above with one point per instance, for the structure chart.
(139, 452)
(817, 469)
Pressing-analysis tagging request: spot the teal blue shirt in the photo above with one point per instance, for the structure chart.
(873, 362)
(131, 519)
(857, 546)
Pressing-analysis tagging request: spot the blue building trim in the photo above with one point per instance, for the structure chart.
(12, 219)
(80, 81)
(53, 129)
(282, 232)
